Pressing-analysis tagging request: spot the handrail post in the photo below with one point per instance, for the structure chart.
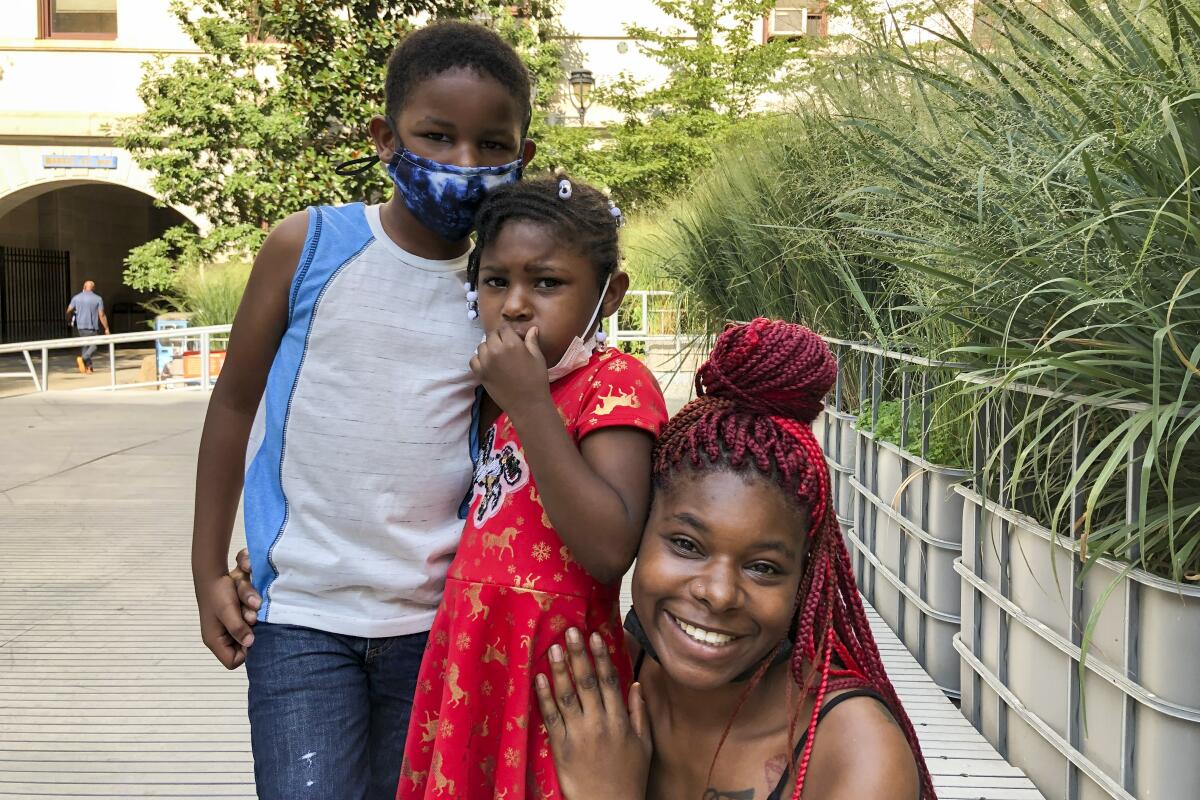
(112, 366)
(45, 369)
(204, 361)
(37, 386)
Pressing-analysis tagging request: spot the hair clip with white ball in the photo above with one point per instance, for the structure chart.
(472, 301)
(617, 216)
(564, 189)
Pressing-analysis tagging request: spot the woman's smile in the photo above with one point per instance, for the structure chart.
(707, 639)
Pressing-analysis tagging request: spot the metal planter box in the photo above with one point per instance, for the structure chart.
(835, 433)
(908, 523)
(1021, 630)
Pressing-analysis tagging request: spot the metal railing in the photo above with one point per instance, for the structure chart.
(200, 340)
(208, 340)
(640, 299)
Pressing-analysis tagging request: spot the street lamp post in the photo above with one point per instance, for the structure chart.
(582, 84)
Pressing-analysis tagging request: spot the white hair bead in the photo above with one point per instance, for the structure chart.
(564, 189)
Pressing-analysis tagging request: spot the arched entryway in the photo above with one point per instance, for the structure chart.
(55, 235)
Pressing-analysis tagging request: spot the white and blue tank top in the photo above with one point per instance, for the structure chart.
(359, 457)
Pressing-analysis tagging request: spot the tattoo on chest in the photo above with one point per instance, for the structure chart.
(774, 768)
(720, 794)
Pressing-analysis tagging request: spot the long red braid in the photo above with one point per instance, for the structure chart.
(757, 396)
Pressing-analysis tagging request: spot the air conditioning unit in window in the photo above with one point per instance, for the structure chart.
(787, 22)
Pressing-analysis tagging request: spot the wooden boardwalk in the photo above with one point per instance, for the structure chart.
(105, 688)
(964, 765)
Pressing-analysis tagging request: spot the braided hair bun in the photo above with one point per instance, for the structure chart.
(769, 367)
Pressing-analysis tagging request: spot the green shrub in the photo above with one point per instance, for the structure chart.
(210, 295)
(946, 448)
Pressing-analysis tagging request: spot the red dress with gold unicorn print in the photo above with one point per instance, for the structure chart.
(512, 590)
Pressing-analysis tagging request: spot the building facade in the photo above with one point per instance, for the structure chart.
(71, 204)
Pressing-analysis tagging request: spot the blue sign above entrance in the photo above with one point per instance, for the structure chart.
(65, 161)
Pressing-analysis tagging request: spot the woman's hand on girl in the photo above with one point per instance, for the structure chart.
(512, 369)
(600, 750)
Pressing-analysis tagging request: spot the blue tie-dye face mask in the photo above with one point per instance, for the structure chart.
(445, 197)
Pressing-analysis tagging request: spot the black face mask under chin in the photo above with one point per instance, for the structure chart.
(634, 626)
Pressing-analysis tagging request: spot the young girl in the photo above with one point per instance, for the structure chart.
(560, 496)
(747, 630)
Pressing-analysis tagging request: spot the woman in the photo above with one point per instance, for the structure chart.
(747, 630)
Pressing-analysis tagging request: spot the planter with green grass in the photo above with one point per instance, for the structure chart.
(909, 521)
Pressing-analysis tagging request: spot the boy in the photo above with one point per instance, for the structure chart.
(355, 325)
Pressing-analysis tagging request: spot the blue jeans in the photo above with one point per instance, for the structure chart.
(88, 350)
(329, 713)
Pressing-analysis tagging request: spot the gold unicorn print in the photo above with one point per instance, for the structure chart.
(440, 782)
(492, 652)
(457, 693)
(472, 594)
(565, 554)
(611, 402)
(429, 727)
(500, 542)
(537, 499)
(528, 582)
(406, 771)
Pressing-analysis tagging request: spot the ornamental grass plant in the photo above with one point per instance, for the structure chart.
(1020, 197)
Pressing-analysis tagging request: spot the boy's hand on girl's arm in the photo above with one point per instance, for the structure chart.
(512, 369)
(600, 749)
(243, 581)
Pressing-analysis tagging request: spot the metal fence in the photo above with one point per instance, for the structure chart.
(34, 287)
(995, 605)
(644, 305)
(203, 341)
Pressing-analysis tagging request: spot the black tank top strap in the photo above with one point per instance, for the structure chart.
(779, 791)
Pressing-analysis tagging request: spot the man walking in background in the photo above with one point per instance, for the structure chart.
(87, 314)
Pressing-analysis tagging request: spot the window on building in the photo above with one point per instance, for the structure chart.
(78, 19)
(797, 18)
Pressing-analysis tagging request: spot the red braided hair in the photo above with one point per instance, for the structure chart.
(757, 396)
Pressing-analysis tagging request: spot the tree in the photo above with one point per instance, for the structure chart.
(282, 92)
(718, 72)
